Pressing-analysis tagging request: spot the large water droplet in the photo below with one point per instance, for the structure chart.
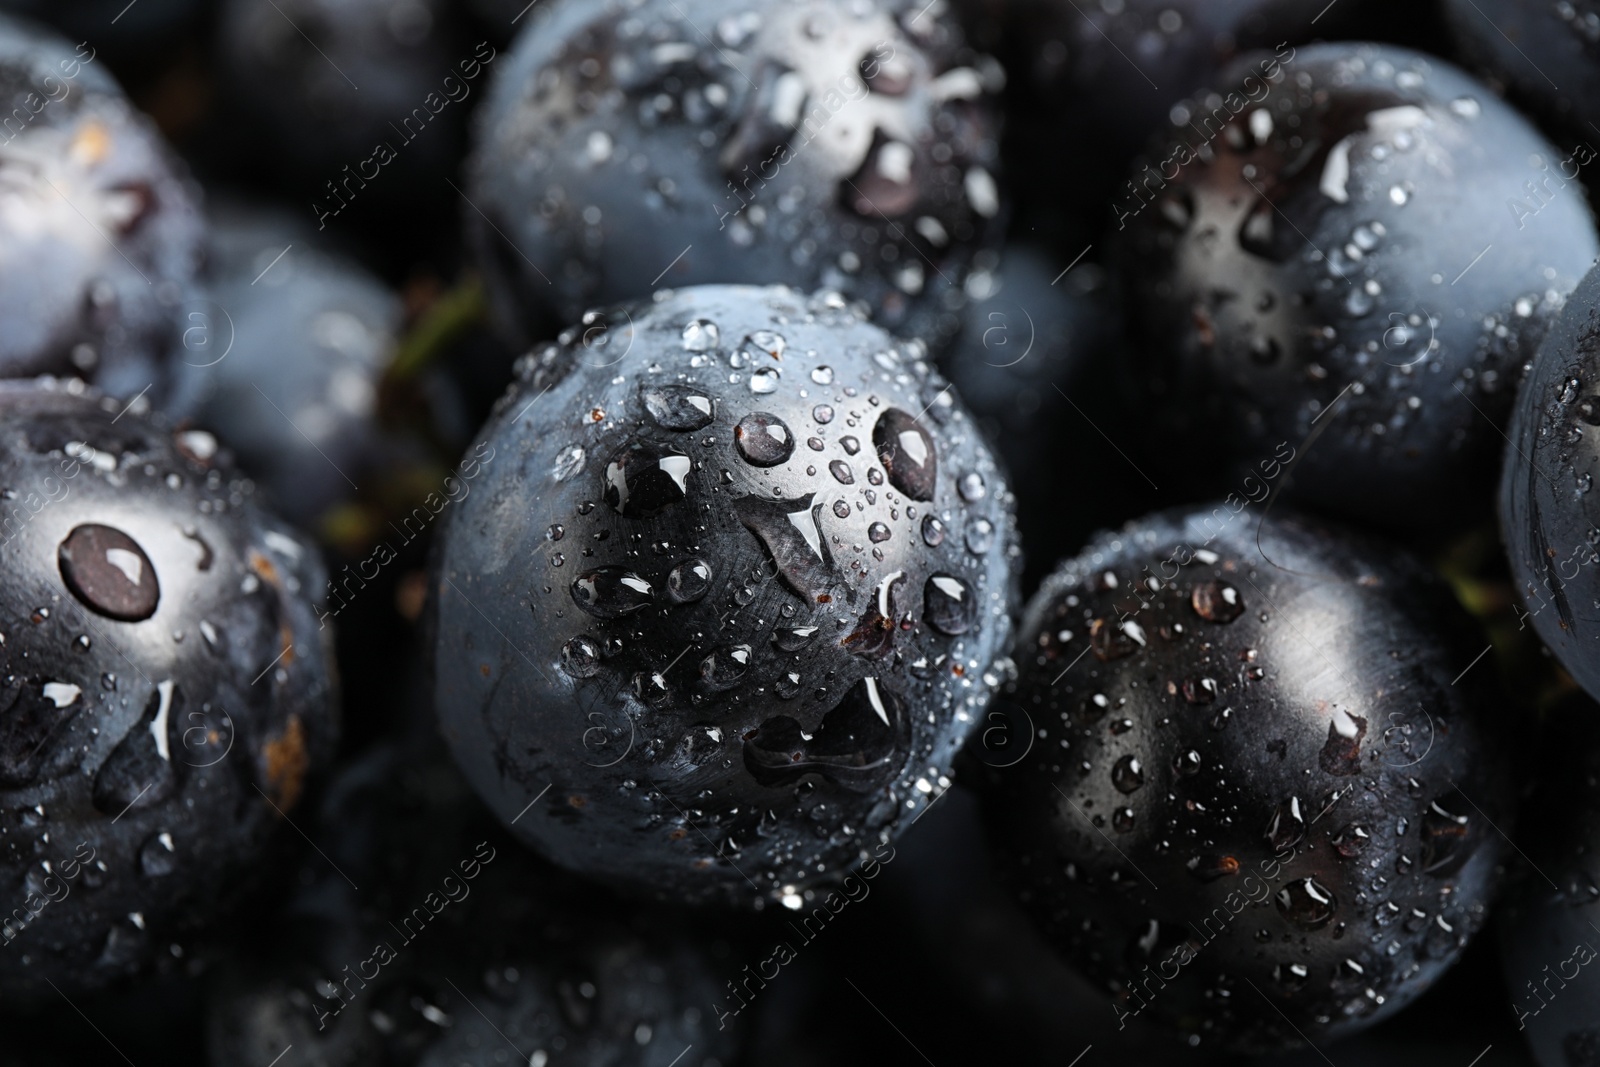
(108, 571)
(1127, 774)
(1287, 826)
(611, 592)
(1351, 841)
(569, 461)
(678, 407)
(763, 440)
(689, 581)
(643, 480)
(156, 856)
(860, 744)
(773, 344)
(1216, 601)
(1112, 639)
(793, 639)
(907, 453)
(948, 605)
(701, 335)
(651, 687)
(724, 667)
(980, 536)
(1307, 903)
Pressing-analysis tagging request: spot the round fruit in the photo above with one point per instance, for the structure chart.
(1549, 518)
(824, 143)
(167, 688)
(100, 232)
(288, 356)
(1253, 803)
(1308, 245)
(1547, 926)
(725, 604)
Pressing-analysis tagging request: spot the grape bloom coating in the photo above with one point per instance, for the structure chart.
(729, 600)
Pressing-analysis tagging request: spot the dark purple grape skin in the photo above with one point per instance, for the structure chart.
(851, 147)
(697, 611)
(1549, 519)
(1330, 260)
(169, 690)
(298, 339)
(1270, 736)
(101, 236)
